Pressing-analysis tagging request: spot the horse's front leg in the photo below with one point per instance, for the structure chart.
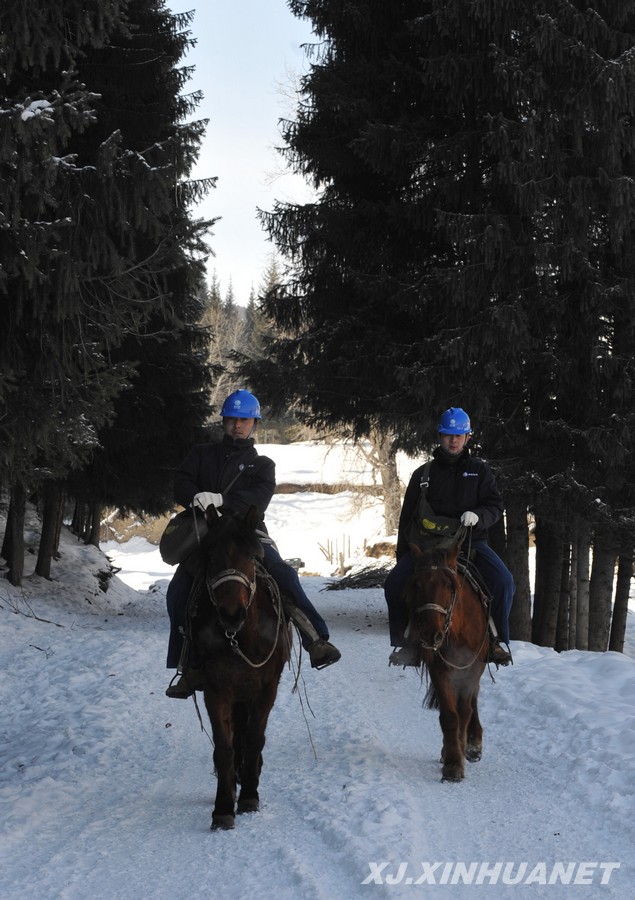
(253, 745)
(452, 753)
(220, 715)
(474, 749)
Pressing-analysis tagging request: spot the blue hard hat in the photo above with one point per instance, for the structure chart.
(241, 405)
(455, 421)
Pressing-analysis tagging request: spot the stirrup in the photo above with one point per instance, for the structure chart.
(498, 655)
(408, 655)
(190, 681)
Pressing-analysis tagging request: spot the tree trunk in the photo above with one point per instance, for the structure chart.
(392, 494)
(50, 514)
(13, 547)
(582, 623)
(518, 563)
(58, 526)
(77, 521)
(92, 533)
(549, 551)
(383, 459)
(81, 522)
(562, 627)
(622, 593)
(573, 590)
(6, 540)
(601, 594)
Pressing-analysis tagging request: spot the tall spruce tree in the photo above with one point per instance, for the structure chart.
(140, 80)
(56, 383)
(51, 348)
(581, 417)
(103, 257)
(471, 243)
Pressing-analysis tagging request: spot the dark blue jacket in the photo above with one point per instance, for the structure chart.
(456, 485)
(213, 467)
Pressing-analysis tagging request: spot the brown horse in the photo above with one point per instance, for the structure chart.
(239, 634)
(448, 623)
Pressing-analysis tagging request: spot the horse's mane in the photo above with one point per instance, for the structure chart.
(434, 556)
(232, 528)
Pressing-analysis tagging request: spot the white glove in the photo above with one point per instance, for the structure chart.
(468, 519)
(207, 498)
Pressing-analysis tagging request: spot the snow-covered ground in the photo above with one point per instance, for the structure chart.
(106, 785)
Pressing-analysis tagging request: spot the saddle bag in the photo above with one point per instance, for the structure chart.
(427, 530)
(182, 535)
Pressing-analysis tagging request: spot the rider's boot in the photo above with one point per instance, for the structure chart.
(190, 680)
(191, 676)
(322, 652)
(408, 655)
(497, 654)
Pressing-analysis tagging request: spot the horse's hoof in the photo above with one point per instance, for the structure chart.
(473, 754)
(222, 823)
(453, 775)
(248, 806)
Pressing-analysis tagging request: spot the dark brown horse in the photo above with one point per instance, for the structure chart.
(448, 623)
(239, 634)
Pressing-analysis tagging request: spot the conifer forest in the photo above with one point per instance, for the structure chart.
(472, 244)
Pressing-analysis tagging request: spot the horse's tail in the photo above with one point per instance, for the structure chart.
(431, 699)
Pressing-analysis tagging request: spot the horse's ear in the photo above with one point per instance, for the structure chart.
(252, 518)
(416, 551)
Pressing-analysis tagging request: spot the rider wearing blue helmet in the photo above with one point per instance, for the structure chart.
(455, 421)
(241, 405)
(231, 475)
(458, 486)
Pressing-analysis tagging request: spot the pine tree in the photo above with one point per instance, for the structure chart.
(258, 329)
(470, 245)
(56, 382)
(103, 257)
(165, 407)
(51, 353)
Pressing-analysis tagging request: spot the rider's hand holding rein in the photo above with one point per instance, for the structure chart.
(207, 498)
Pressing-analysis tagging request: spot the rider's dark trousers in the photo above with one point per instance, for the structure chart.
(496, 575)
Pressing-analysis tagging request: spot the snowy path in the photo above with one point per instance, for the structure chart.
(107, 786)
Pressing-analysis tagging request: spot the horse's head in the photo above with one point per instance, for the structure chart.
(430, 596)
(230, 553)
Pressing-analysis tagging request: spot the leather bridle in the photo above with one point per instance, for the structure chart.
(440, 636)
(226, 575)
